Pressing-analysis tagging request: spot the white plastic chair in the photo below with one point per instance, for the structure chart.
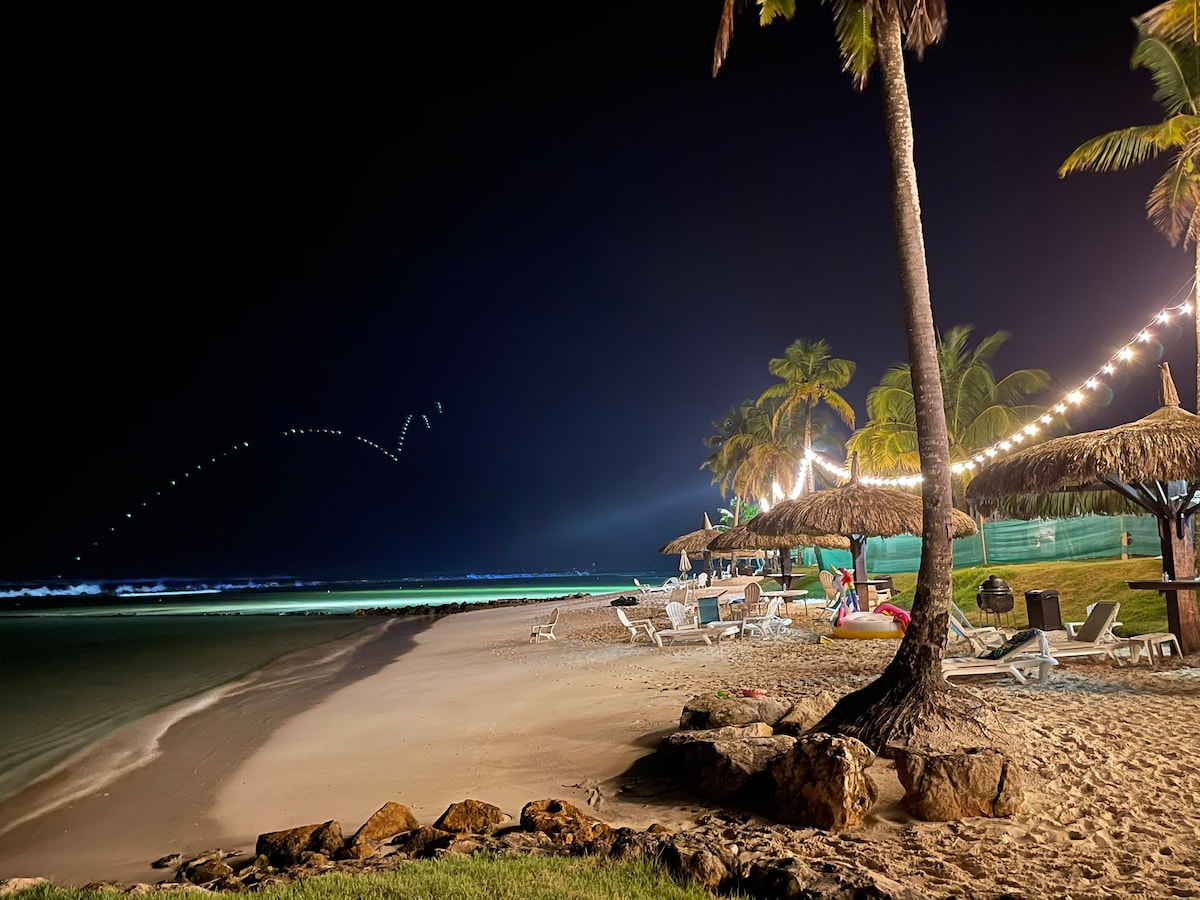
(545, 629)
(636, 626)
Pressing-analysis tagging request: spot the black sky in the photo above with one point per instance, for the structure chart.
(225, 223)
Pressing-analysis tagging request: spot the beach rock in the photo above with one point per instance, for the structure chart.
(564, 822)
(709, 711)
(385, 823)
(165, 862)
(800, 879)
(690, 858)
(12, 885)
(951, 786)
(287, 847)
(421, 842)
(205, 871)
(823, 782)
(722, 765)
(805, 713)
(470, 817)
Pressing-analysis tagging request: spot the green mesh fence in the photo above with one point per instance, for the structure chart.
(1013, 541)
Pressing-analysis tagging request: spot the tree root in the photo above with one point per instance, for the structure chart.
(889, 714)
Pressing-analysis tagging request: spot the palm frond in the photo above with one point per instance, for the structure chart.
(1173, 68)
(1172, 203)
(924, 24)
(856, 39)
(1175, 20)
(1115, 150)
(729, 11)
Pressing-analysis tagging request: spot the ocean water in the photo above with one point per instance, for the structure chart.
(92, 679)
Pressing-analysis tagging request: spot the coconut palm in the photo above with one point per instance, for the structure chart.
(910, 694)
(727, 453)
(980, 409)
(770, 451)
(810, 376)
(1167, 49)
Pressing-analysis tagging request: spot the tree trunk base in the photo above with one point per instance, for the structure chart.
(890, 713)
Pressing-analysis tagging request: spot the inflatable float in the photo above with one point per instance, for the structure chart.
(886, 622)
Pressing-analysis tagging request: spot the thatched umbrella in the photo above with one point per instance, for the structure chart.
(856, 510)
(740, 537)
(1153, 463)
(695, 544)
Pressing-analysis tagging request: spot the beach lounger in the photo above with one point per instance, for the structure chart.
(768, 624)
(688, 628)
(1095, 637)
(545, 629)
(981, 639)
(1025, 653)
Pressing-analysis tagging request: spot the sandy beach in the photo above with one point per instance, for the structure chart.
(473, 710)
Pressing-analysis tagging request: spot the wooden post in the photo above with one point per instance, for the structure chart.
(1179, 562)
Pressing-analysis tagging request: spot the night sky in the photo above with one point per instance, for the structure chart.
(549, 230)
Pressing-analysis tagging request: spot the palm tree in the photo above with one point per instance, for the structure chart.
(770, 451)
(910, 694)
(1168, 50)
(979, 409)
(728, 452)
(811, 375)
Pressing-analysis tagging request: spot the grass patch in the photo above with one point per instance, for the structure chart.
(1078, 582)
(482, 877)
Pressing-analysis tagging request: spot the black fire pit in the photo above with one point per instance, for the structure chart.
(995, 597)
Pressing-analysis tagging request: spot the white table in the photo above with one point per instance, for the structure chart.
(802, 596)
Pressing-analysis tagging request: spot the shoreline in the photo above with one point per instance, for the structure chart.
(474, 711)
(105, 834)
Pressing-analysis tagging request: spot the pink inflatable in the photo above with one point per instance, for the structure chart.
(900, 616)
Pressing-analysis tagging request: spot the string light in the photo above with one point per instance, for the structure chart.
(393, 455)
(1075, 397)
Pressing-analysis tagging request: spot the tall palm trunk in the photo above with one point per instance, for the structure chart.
(908, 695)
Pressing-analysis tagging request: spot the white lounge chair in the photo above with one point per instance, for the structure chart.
(767, 624)
(981, 639)
(687, 628)
(1095, 637)
(636, 626)
(1020, 656)
(544, 629)
(651, 592)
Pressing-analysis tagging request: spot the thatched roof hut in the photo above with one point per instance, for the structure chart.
(856, 510)
(1153, 462)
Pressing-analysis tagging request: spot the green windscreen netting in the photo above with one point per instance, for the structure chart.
(1013, 541)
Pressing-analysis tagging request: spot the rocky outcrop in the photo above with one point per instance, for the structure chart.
(798, 879)
(805, 713)
(563, 822)
(290, 846)
(707, 711)
(823, 782)
(470, 817)
(946, 787)
(725, 764)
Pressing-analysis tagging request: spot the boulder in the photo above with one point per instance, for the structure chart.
(805, 713)
(386, 822)
(709, 711)
(822, 782)
(945, 787)
(470, 817)
(564, 822)
(286, 848)
(421, 842)
(720, 764)
(801, 879)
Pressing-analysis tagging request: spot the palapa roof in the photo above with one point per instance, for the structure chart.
(1161, 447)
(853, 509)
(694, 542)
(740, 537)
